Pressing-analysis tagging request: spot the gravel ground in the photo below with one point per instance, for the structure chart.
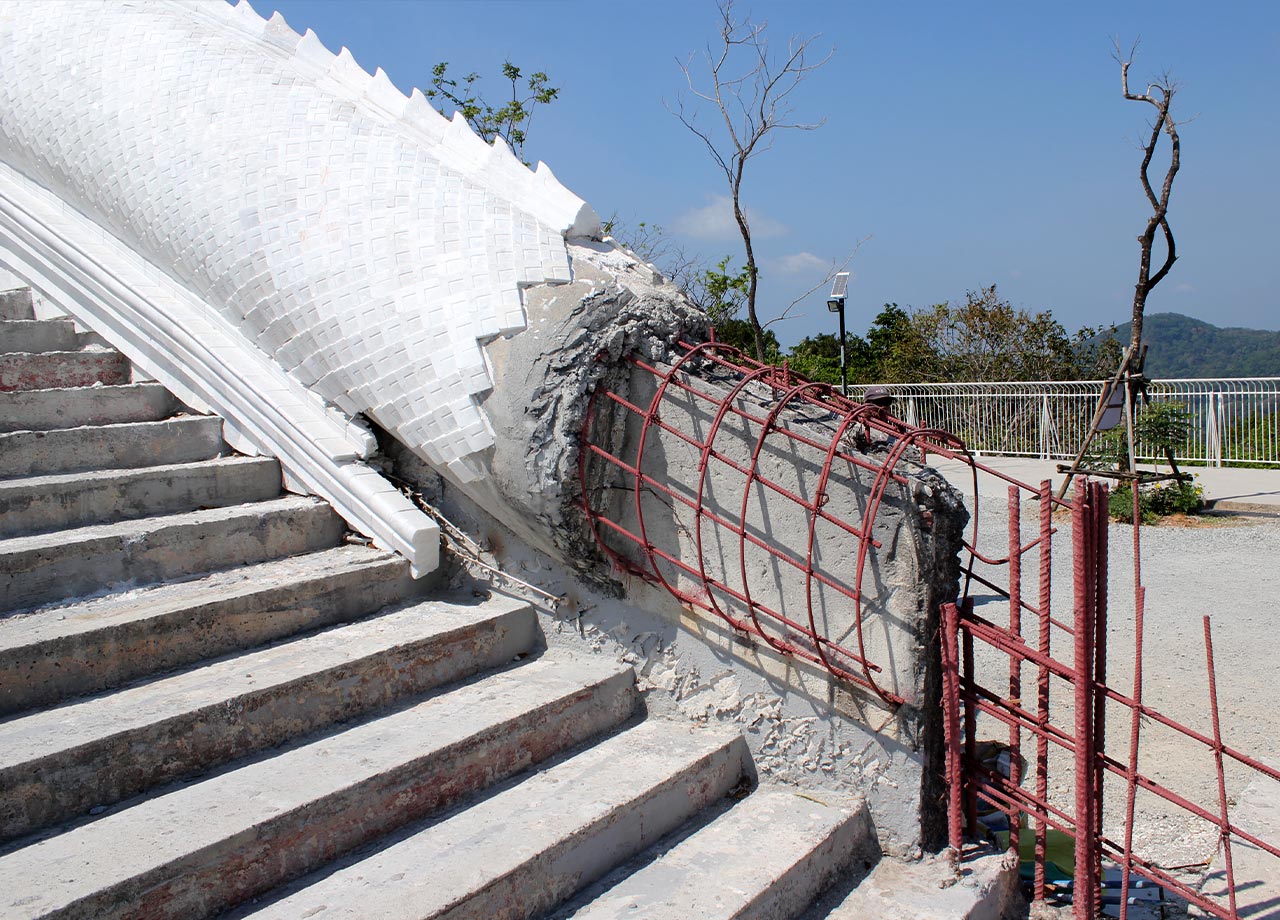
(1224, 568)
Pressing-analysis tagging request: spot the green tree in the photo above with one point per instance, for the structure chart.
(987, 338)
(509, 121)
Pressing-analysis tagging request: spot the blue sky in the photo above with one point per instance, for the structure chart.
(973, 143)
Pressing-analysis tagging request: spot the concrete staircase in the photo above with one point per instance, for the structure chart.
(211, 703)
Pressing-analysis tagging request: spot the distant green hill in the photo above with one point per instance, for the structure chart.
(1179, 346)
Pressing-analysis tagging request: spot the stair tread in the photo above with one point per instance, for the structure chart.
(192, 437)
(61, 408)
(437, 869)
(84, 616)
(85, 479)
(220, 683)
(157, 837)
(723, 869)
(138, 527)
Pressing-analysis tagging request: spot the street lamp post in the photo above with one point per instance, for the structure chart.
(835, 303)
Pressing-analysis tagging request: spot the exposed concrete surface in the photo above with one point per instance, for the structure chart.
(41, 410)
(519, 852)
(722, 872)
(115, 446)
(57, 369)
(59, 763)
(90, 645)
(326, 797)
(577, 339)
(928, 889)
(16, 304)
(37, 335)
(38, 504)
(1256, 872)
(50, 567)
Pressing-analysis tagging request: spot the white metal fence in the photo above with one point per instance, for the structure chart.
(1234, 420)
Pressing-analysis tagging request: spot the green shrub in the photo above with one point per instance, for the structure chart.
(1156, 500)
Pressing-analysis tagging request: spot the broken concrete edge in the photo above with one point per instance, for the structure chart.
(579, 338)
(804, 728)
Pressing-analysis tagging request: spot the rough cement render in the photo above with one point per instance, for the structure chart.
(803, 725)
(577, 337)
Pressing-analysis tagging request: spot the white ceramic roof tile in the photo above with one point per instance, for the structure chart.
(308, 202)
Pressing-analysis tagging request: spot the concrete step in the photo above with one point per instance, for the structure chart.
(110, 447)
(520, 852)
(38, 335)
(17, 304)
(203, 847)
(57, 764)
(61, 652)
(56, 369)
(42, 410)
(929, 889)
(769, 856)
(45, 568)
(39, 504)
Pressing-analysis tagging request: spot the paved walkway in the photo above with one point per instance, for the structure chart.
(1225, 489)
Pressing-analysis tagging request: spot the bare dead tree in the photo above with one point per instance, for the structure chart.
(750, 91)
(1159, 94)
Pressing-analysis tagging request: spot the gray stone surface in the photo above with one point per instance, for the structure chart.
(578, 338)
(929, 889)
(37, 335)
(38, 504)
(45, 568)
(42, 410)
(61, 762)
(204, 846)
(101, 447)
(55, 369)
(94, 644)
(520, 852)
(17, 304)
(769, 856)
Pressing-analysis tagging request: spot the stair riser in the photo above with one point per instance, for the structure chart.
(296, 842)
(44, 574)
(574, 862)
(42, 410)
(30, 508)
(57, 369)
(16, 305)
(43, 792)
(116, 447)
(850, 848)
(49, 672)
(50, 335)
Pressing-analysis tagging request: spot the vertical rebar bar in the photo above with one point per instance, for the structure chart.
(1042, 679)
(951, 724)
(1084, 890)
(1224, 828)
(970, 723)
(1098, 532)
(1015, 663)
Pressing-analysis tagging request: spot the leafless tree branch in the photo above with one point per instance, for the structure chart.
(750, 90)
(836, 267)
(1159, 94)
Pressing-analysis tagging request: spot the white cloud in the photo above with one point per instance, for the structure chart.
(1183, 288)
(802, 263)
(1015, 273)
(715, 221)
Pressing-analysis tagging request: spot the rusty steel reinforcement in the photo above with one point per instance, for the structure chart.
(1068, 653)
